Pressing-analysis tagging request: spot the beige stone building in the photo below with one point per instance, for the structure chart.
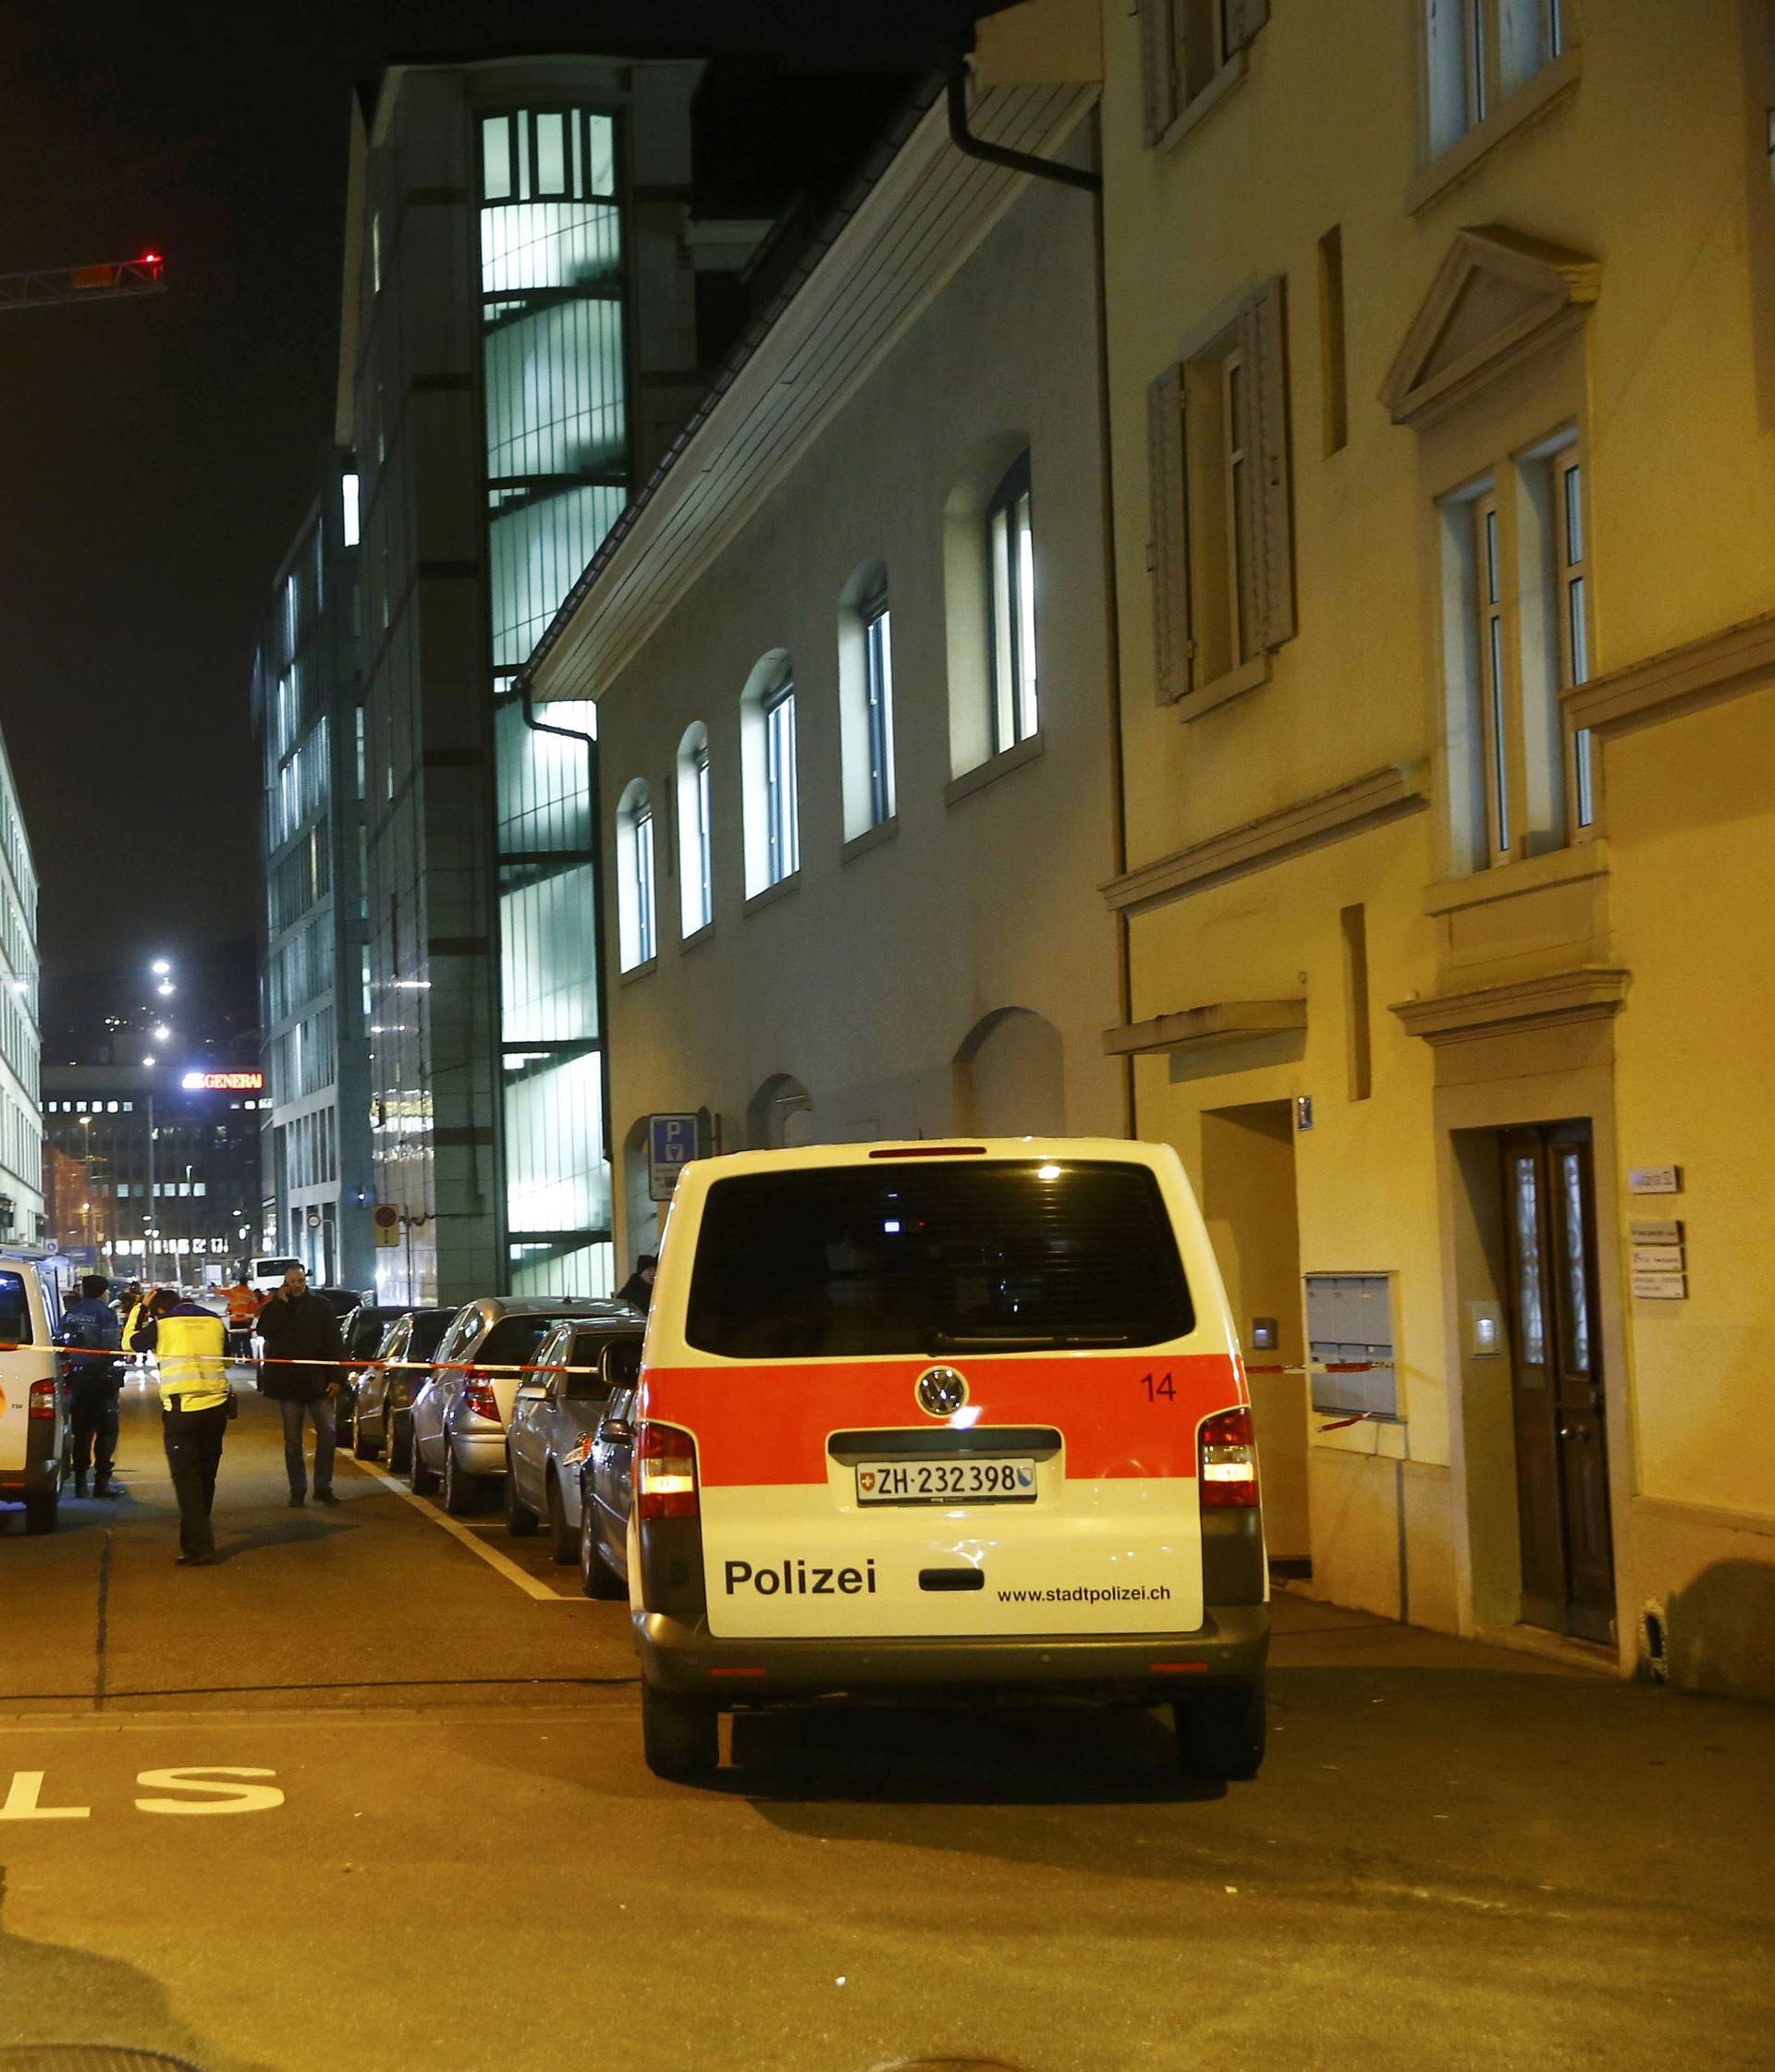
(851, 665)
(1441, 348)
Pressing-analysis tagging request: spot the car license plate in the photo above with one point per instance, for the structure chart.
(967, 1482)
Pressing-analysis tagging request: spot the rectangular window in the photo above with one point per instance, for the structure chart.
(348, 508)
(1334, 394)
(782, 805)
(1185, 46)
(1221, 552)
(1570, 589)
(1010, 560)
(1494, 689)
(643, 836)
(878, 695)
(1477, 53)
(704, 909)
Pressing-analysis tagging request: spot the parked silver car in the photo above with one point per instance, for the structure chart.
(459, 1415)
(552, 1422)
(607, 1479)
(382, 1395)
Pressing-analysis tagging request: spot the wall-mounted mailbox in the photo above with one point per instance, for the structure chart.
(1349, 1324)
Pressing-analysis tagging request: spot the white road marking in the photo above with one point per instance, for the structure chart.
(471, 1539)
(221, 1797)
(22, 1796)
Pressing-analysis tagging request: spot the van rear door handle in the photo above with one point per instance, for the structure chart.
(951, 1578)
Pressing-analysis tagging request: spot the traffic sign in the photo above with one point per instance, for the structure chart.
(385, 1220)
(671, 1144)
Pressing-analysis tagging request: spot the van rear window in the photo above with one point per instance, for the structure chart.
(15, 1310)
(840, 1261)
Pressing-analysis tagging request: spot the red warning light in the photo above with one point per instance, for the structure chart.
(151, 259)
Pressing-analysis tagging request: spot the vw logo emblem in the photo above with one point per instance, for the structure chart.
(941, 1391)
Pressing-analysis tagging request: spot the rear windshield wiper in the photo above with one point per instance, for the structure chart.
(1021, 1342)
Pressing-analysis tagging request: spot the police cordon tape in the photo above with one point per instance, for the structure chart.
(353, 1366)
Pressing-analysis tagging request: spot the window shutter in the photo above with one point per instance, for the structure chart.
(1159, 80)
(1169, 543)
(1270, 549)
(1243, 20)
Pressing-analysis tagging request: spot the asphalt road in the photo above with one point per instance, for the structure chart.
(442, 1847)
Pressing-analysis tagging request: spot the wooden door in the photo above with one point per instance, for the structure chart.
(1560, 1425)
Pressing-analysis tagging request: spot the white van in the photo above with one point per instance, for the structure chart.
(33, 1404)
(264, 1276)
(957, 1420)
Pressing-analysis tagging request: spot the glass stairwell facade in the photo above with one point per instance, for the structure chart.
(555, 403)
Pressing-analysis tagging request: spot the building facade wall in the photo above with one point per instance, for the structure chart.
(950, 968)
(1617, 300)
(22, 1127)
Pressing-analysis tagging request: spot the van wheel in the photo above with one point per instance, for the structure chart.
(521, 1520)
(41, 1507)
(680, 1736)
(598, 1579)
(460, 1491)
(1221, 1733)
(563, 1544)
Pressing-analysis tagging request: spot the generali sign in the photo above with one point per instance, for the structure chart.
(222, 1082)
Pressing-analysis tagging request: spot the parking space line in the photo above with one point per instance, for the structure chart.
(470, 1538)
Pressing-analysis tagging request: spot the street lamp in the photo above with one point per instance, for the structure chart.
(160, 967)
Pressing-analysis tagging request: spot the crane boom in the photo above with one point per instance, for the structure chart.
(103, 283)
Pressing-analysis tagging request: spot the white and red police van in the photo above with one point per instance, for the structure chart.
(941, 1420)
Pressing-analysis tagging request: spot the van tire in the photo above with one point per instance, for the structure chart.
(521, 1520)
(1221, 1733)
(40, 1507)
(680, 1736)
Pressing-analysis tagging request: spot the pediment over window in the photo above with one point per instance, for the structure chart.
(1498, 296)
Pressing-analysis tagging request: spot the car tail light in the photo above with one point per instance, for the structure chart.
(478, 1396)
(665, 1474)
(1229, 1461)
(42, 1400)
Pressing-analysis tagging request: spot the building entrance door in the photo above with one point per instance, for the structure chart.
(1249, 1203)
(1561, 1428)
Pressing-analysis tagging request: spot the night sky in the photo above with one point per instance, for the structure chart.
(158, 454)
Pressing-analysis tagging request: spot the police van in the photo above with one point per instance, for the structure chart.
(945, 1420)
(33, 1410)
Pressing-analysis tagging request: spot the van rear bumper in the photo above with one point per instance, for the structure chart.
(682, 1656)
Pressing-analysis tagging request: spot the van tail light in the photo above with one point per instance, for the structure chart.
(43, 1400)
(477, 1397)
(666, 1474)
(1229, 1461)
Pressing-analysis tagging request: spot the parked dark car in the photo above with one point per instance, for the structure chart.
(552, 1423)
(607, 1478)
(363, 1331)
(342, 1301)
(382, 1424)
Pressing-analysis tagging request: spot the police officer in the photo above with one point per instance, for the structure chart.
(191, 1346)
(90, 1327)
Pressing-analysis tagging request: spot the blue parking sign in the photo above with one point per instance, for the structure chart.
(671, 1144)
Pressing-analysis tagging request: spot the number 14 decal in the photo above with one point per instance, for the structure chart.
(1158, 1385)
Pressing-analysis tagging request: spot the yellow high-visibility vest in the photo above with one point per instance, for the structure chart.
(194, 1364)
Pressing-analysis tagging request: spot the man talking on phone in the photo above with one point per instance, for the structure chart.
(304, 1356)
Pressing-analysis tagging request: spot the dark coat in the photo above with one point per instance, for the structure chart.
(303, 1329)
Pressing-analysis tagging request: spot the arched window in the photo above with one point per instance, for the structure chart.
(768, 757)
(1011, 626)
(637, 937)
(867, 700)
(695, 832)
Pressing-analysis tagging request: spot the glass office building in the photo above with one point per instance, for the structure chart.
(519, 345)
(309, 720)
(21, 1128)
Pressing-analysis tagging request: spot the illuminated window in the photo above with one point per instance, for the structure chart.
(638, 942)
(349, 510)
(782, 801)
(695, 830)
(1010, 573)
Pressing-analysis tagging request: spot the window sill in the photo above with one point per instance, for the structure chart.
(1431, 181)
(1248, 676)
(697, 937)
(994, 768)
(772, 893)
(1588, 858)
(1186, 119)
(637, 972)
(871, 838)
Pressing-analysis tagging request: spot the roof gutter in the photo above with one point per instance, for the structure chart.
(955, 67)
